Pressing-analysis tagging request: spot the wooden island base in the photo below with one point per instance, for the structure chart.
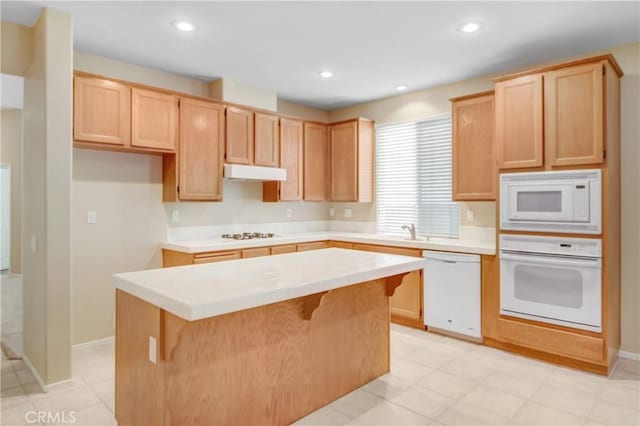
(271, 364)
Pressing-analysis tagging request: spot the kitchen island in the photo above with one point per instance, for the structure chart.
(254, 341)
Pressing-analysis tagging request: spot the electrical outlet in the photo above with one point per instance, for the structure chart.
(289, 213)
(92, 216)
(175, 215)
(470, 215)
(347, 212)
(332, 212)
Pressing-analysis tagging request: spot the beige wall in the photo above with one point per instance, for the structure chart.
(47, 199)
(302, 111)
(17, 48)
(435, 101)
(235, 92)
(11, 153)
(125, 190)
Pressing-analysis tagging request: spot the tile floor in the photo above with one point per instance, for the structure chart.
(434, 380)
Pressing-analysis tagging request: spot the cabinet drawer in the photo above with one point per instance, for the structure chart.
(551, 340)
(313, 246)
(340, 244)
(390, 250)
(290, 248)
(255, 252)
(215, 257)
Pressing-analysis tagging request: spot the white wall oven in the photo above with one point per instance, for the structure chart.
(556, 201)
(552, 280)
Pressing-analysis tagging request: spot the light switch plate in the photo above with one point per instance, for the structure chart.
(92, 216)
(175, 215)
(153, 350)
(33, 244)
(347, 212)
(289, 213)
(470, 215)
(332, 212)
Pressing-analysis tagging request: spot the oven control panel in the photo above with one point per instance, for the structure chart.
(587, 247)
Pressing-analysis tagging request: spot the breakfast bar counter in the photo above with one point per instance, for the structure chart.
(264, 340)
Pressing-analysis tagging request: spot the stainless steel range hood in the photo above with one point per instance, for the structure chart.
(242, 172)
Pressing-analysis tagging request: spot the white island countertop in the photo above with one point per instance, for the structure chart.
(439, 244)
(201, 291)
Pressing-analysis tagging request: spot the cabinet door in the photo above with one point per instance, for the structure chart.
(474, 164)
(101, 111)
(574, 117)
(343, 149)
(201, 150)
(406, 302)
(289, 248)
(154, 120)
(239, 136)
(266, 140)
(519, 122)
(316, 154)
(291, 159)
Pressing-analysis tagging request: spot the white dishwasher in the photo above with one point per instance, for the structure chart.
(452, 292)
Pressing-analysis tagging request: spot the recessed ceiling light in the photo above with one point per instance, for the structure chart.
(326, 74)
(184, 26)
(469, 27)
(401, 88)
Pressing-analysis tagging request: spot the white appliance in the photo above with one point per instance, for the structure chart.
(243, 172)
(553, 280)
(564, 201)
(452, 292)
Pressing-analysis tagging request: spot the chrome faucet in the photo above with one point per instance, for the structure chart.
(411, 229)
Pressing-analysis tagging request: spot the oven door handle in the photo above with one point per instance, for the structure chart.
(590, 262)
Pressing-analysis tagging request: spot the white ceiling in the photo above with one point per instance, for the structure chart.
(371, 46)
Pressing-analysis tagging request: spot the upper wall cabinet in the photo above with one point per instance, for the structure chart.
(574, 115)
(351, 161)
(239, 138)
(266, 140)
(518, 122)
(291, 138)
(316, 162)
(154, 120)
(474, 164)
(101, 111)
(201, 150)
(562, 106)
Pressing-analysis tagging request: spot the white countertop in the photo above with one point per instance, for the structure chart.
(440, 244)
(201, 291)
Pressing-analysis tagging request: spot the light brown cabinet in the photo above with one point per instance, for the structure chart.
(255, 252)
(154, 120)
(200, 153)
(266, 140)
(316, 162)
(239, 136)
(101, 111)
(519, 122)
(291, 139)
(406, 302)
(312, 246)
(475, 172)
(351, 161)
(574, 115)
(288, 248)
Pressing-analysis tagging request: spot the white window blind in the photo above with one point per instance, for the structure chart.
(413, 178)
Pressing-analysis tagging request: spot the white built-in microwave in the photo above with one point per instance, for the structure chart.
(557, 201)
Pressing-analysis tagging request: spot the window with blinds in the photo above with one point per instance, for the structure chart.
(413, 178)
